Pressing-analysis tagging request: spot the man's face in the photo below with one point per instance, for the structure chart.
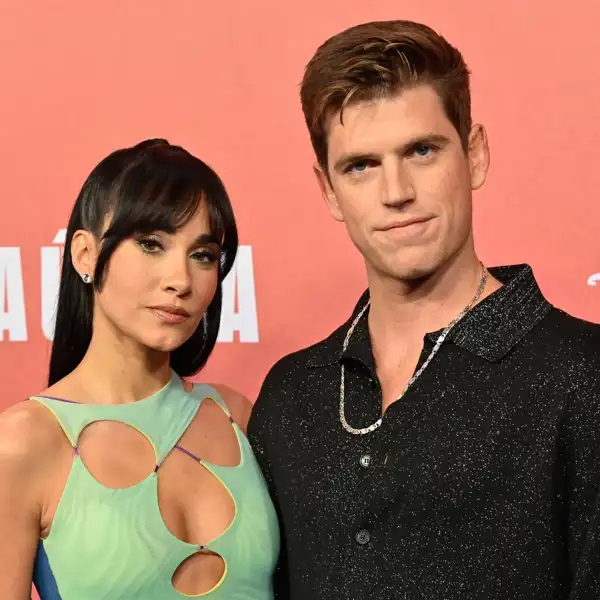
(401, 181)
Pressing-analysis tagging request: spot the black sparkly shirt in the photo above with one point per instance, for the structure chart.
(482, 482)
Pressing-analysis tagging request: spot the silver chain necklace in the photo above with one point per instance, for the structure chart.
(438, 343)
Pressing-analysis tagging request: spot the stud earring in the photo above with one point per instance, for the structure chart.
(87, 278)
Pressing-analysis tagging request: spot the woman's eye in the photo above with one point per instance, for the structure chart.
(149, 245)
(206, 257)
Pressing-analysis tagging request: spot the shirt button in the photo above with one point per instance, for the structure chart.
(363, 537)
(365, 461)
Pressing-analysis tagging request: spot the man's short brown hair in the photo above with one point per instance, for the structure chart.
(378, 60)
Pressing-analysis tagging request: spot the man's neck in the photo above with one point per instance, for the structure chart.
(403, 310)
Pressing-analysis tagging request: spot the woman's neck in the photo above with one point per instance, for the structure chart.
(117, 370)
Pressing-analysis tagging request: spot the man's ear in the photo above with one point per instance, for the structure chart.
(328, 193)
(479, 156)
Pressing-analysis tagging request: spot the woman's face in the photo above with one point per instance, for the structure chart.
(158, 286)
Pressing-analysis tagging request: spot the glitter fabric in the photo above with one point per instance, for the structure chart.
(482, 482)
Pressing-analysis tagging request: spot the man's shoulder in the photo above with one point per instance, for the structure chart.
(321, 353)
(288, 373)
(570, 349)
(567, 333)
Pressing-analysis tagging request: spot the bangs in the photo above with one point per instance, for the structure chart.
(162, 191)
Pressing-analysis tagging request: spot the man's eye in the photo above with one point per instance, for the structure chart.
(422, 149)
(358, 167)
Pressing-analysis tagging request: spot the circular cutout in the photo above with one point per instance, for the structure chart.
(199, 574)
(117, 455)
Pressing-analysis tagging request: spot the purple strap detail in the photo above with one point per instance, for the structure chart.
(156, 468)
(202, 547)
(59, 399)
(188, 453)
(76, 450)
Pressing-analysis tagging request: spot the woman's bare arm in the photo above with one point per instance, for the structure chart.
(25, 447)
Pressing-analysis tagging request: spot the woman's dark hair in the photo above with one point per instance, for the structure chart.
(153, 186)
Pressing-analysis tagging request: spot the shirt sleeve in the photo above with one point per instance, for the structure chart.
(581, 498)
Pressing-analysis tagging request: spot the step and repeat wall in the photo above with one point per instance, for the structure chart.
(221, 79)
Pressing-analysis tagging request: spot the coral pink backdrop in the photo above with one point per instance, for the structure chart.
(221, 79)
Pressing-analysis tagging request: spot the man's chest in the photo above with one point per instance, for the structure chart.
(453, 448)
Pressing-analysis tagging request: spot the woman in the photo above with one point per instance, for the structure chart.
(120, 480)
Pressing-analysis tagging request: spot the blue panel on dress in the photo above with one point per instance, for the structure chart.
(43, 578)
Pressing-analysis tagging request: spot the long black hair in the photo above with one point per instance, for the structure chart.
(153, 186)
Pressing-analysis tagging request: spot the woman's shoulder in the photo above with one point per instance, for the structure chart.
(238, 404)
(29, 433)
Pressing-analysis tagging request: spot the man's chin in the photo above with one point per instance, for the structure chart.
(414, 272)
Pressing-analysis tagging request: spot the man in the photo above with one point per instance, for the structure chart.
(443, 442)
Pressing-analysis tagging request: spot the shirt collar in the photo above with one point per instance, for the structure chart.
(490, 330)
